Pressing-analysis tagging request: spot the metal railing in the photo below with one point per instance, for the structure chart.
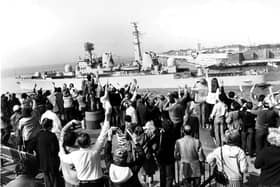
(14, 155)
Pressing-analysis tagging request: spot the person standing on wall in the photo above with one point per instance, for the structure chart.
(200, 90)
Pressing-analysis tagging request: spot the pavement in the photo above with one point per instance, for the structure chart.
(8, 172)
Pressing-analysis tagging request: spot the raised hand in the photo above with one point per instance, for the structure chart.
(270, 90)
(253, 87)
(240, 88)
(133, 136)
(111, 132)
(222, 82)
(74, 121)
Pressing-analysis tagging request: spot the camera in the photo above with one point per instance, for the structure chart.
(114, 129)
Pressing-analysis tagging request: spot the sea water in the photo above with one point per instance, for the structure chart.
(9, 83)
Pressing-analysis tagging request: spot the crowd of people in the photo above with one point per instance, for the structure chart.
(143, 133)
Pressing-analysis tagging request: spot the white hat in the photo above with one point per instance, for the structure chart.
(16, 108)
(119, 174)
(274, 136)
(149, 126)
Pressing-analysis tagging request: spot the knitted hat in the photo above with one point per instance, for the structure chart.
(274, 136)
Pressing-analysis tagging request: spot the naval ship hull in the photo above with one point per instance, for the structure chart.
(149, 81)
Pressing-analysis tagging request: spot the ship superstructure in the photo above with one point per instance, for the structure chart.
(166, 70)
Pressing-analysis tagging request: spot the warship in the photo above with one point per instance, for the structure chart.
(235, 65)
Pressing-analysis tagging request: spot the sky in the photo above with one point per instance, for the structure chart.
(39, 32)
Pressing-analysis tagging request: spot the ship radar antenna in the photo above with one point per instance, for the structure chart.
(89, 47)
(136, 42)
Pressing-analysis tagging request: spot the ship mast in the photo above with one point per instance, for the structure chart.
(136, 43)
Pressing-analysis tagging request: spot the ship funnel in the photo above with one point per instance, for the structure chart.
(68, 68)
(89, 47)
(107, 60)
(147, 61)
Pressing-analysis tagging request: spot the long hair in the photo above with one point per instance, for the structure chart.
(214, 85)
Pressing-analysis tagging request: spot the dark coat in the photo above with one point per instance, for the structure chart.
(115, 99)
(141, 111)
(48, 148)
(194, 123)
(165, 153)
(268, 161)
(150, 146)
(248, 120)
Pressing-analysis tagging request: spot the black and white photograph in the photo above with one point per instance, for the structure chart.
(140, 93)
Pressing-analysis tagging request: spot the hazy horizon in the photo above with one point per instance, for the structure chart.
(38, 32)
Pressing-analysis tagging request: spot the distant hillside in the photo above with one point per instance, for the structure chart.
(266, 46)
(221, 48)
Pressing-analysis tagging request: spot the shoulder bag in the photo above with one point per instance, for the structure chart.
(220, 176)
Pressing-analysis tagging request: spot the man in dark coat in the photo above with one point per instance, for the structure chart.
(176, 113)
(192, 120)
(268, 160)
(141, 110)
(115, 100)
(165, 153)
(14, 100)
(48, 149)
(266, 118)
(247, 128)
